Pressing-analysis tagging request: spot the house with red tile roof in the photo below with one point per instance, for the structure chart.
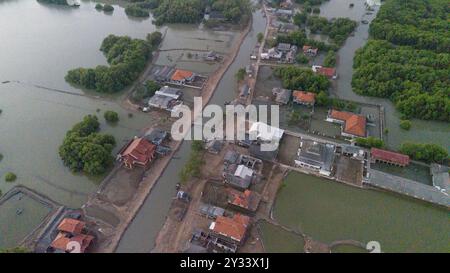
(232, 229)
(181, 76)
(329, 72)
(67, 243)
(388, 157)
(304, 98)
(352, 125)
(247, 201)
(71, 226)
(70, 237)
(309, 50)
(138, 152)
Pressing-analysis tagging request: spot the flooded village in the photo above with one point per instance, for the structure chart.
(318, 191)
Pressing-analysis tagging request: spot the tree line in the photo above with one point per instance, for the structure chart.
(189, 11)
(126, 57)
(410, 72)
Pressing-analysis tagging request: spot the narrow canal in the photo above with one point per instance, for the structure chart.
(141, 234)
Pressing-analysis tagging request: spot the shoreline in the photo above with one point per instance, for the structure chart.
(148, 184)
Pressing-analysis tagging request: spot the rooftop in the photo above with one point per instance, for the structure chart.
(181, 74)
(265, 132)
(234, 228)
(303, 96)
(320, 155)
(140, 149)
(354, 124)
(389, 156)
(71, 225)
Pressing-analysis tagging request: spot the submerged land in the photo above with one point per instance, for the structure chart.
(327, 188)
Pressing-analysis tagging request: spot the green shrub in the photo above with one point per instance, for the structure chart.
(10, 177)
(108, 8)
(111, 116)
(405, 124)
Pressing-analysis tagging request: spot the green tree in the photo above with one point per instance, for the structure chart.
(240, 74)
(260, 37)
(10, 177)
(84, 149)
(424, 152)
(111, 116)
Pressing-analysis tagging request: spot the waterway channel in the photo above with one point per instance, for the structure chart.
(151, 216)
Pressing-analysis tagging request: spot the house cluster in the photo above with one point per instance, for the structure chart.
(142, 151)
(352, 125)
(329, 72)
(166, 98)
(283, 52)
(231, 220)
(283, 96)
(72, 237)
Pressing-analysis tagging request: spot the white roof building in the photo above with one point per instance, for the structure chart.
(242, 171)
(266, 132)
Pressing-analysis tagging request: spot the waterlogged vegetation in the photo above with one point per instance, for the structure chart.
(127, 58)
(296, 78)
(55, 2)
(408, 59)
(190, 11)
(338, 30)
(84, 149)
(424, 152)
(111, 116)
(10, 177)
(193, 166)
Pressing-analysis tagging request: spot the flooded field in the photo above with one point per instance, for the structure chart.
(328, 211)
(19, 215)
(277, 240)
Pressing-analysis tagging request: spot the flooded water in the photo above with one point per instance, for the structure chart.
(421, 131)
(25, 212)
(151, 216)
(40, 43)
(36, 52)
(330, 211)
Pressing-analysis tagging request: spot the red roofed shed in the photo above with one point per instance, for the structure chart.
(389, 157)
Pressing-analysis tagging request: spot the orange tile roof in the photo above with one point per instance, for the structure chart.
(241, 199)
(140, 149)
(327, 71)
(304, 96)
(61, 241)
(234, 228)
(354, 124)
(71, 225)
(180, 75)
